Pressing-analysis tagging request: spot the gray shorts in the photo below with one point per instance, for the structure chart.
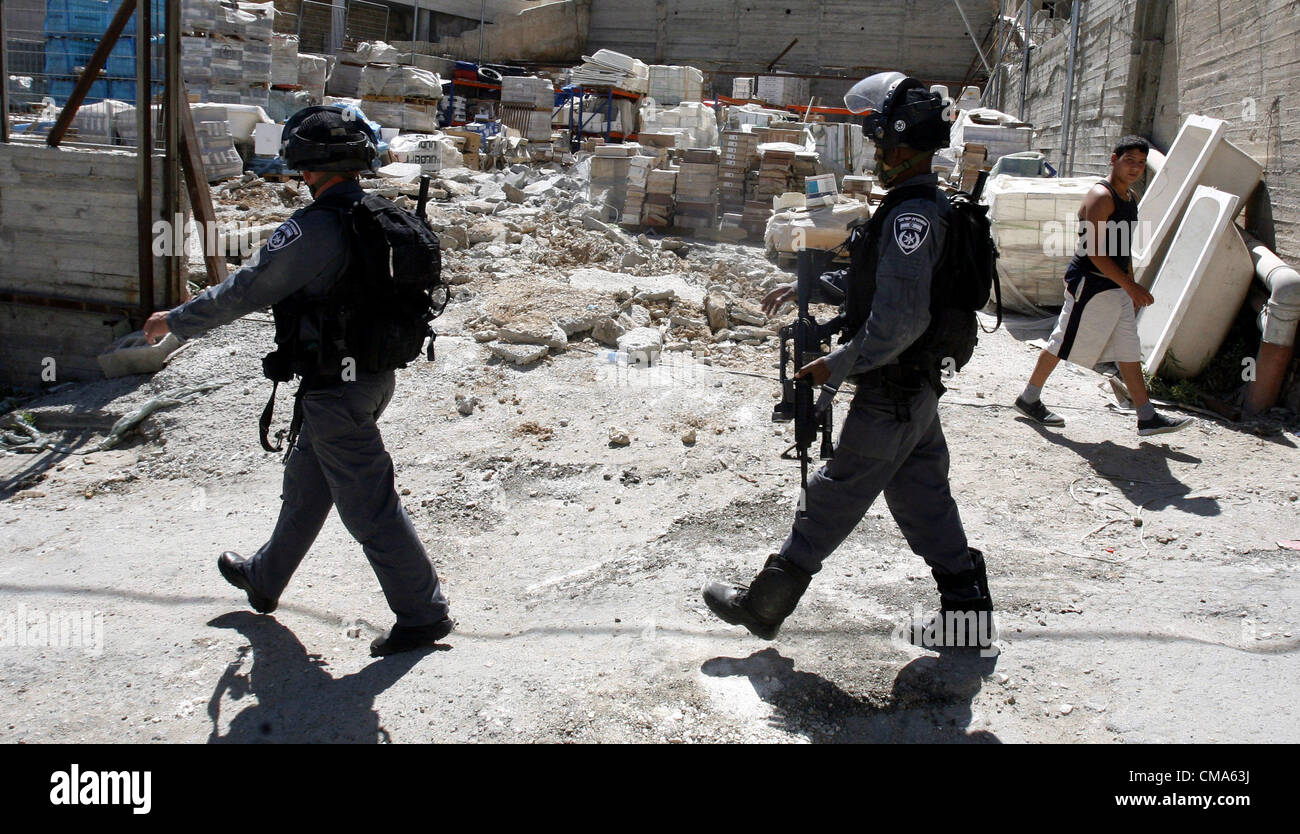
(1095, 327)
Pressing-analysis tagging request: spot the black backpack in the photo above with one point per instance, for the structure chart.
(377, 315)
(964, 280)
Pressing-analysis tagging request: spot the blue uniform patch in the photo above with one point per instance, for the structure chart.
(910, 231)
(283, 236)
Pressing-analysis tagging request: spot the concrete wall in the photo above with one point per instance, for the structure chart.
(551, 32)
(67, 231)
(851, 38)
(1240, 62)
(1102, 84)
(1142, 67)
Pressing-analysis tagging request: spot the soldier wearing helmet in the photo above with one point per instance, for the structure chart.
(892, 440)
(338, 459)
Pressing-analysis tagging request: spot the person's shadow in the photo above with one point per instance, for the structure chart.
(1142, 474)
(296, 700)
(930, 701)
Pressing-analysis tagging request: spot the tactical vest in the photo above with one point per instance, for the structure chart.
(966, 264)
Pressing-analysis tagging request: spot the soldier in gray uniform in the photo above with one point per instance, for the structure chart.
(339, 458)
(891, 441)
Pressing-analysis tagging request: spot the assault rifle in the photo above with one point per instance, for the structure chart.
(802, 342)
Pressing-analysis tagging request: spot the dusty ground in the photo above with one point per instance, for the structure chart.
(574, 566)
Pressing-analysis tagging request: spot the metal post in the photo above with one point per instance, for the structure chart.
(4, 80)
(996, 81)
(1067, 108)
(1024, 71)
(482, 21)
(415, 30)
(172, 169)
(978, 50)
(144, 155)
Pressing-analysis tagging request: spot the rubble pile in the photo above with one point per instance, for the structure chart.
(536, 270)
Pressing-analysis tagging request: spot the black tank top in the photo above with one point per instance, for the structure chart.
(1114, 241)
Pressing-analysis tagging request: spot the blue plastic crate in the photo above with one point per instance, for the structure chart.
(64, 54)
(88, 17)
(61, 88)
(91, 17)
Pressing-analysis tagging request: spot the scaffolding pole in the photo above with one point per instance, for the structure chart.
(144, 153)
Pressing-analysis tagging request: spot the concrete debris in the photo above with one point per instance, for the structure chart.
(639, 315)
(619, 436)
(133, 355)
(466, 405)
(642, 345)
(607, 331)
(715, 307)
(525, 332)
(486, 231)
(745, 315)
(634, 258)
(518, 354)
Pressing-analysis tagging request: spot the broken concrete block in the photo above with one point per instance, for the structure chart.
(642, 345)
(746, 332)
(618, 436)
(513, 194)
(133, 355)
(534, 333)
(466, 405)
(486, 231)
(574, 323)
(746, 315)
(607, 330)
(715, 307)
(480, 207)
(639, 315)
(457, 234)
(517, 354)
(484, 335)
(591, 220)
(634, 258)
(689, 437)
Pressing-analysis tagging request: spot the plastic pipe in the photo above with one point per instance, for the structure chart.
(1278, 319)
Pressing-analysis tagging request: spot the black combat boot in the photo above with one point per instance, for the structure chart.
(965, 617)
(235, 570)
(765, 603)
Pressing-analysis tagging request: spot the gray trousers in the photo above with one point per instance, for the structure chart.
(877, 452)
(339, 461)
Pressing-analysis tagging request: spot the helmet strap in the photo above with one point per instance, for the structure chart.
(892, 174)
(324, 185)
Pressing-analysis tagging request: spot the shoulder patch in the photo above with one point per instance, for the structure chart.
(284, 236)
(910, 231)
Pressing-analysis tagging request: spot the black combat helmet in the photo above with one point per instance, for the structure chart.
(329, 138)
(899, 110)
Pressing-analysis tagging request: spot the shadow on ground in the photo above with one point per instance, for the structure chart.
(930, 701)
(295, 700)
(1142, 474)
